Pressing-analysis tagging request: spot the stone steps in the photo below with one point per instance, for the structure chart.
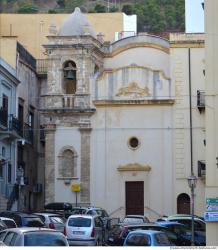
(3, 203)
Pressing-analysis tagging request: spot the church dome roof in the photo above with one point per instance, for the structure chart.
(76, 25)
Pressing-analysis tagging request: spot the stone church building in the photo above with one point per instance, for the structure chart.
(108, 116)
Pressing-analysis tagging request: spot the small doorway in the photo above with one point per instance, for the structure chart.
(183, 204)
(134, 197)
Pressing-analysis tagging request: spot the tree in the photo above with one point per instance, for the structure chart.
(100, 8)
(127, 9)
(27, 8)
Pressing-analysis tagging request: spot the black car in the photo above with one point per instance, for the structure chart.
(23, 219)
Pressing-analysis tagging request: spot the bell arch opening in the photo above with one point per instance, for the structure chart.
(69, 77)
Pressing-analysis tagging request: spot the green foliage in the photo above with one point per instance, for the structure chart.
(127, 9)
(100, 8)
(27, 8)
(152, 15)
(52, 11)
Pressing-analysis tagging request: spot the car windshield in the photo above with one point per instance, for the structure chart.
(101, 213)
(57, 219)
(32, 222)
(10, 223)
(78, 211)
(132, 220)
(79, 222)
(161, 239)
(44, 239)
(138, 240)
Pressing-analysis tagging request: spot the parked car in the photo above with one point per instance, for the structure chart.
(181, 233)
(27, 236)
(84, 230)
(10, 223)
(3, 226)
(184, 229)
(23, 219)
(118, 232)
(53, 221)
(135, 219)
(147, 238)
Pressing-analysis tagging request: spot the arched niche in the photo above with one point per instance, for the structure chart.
(69, 77)
(67, 162)
(183, 204)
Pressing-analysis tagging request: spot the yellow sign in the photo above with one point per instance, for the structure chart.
(75, 187)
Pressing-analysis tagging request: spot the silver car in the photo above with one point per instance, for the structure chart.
(31, 236)
(53, 221)
(84, 230)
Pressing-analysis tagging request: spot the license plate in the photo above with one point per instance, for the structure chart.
(78, 232)
(110, 239)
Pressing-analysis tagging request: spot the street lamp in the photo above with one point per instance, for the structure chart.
(192, 181)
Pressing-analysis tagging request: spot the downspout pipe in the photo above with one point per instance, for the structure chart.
(190, 110)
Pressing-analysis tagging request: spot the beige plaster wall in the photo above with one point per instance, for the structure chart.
(8, 47)
(32, 29)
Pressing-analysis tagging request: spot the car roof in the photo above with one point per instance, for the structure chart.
(48, 214)
(168, 223)
(142, 225)
(29, 229)
(184, 217)
(145, 231)
(81, 215)
(6, 218)
(16, 213)
(134, 216)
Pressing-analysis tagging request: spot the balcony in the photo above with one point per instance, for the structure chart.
(42, 66)
(201, 100)
(66, 102)
(3, 117)
(28, 133)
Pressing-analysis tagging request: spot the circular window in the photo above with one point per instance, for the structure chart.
(134, 142)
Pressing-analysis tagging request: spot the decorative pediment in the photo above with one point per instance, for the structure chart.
(133, 167)
(133, 90)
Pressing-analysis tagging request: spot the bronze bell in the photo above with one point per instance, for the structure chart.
(70, 75)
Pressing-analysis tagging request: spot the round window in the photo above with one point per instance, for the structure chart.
(134, 142)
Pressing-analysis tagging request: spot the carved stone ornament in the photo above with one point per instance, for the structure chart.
(134, 167)
(133, 90)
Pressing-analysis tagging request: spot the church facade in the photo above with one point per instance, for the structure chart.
(108, 116)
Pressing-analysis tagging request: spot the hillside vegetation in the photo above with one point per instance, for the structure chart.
(153, 15)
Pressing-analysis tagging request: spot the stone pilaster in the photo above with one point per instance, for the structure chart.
(50, 163)
(85, 165)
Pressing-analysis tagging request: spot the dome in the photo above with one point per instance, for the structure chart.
(76, 25)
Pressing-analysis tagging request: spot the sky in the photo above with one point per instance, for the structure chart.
(194, 16)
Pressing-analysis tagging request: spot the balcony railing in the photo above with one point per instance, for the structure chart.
(28, 133)
(4, 117)
(42, 66)
(200, 100)
(15, 125)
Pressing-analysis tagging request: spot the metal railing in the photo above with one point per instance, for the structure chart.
(3, 117)
(15, 125)
(28, 133)
(42, 66)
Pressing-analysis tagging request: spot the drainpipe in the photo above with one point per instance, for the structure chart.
(190, 109)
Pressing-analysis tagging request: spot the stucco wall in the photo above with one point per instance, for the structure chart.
(112, 128)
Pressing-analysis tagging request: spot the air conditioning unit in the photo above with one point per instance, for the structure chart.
(37, 188)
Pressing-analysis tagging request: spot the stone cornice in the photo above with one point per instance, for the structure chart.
(132, 102)
(134, 167)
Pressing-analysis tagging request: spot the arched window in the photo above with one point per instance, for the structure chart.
(67, 163)
(183, 204)
(70, 77)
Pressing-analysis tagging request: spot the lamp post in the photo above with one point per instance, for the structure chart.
(192, 181)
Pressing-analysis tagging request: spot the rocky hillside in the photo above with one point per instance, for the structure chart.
(153, 15)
